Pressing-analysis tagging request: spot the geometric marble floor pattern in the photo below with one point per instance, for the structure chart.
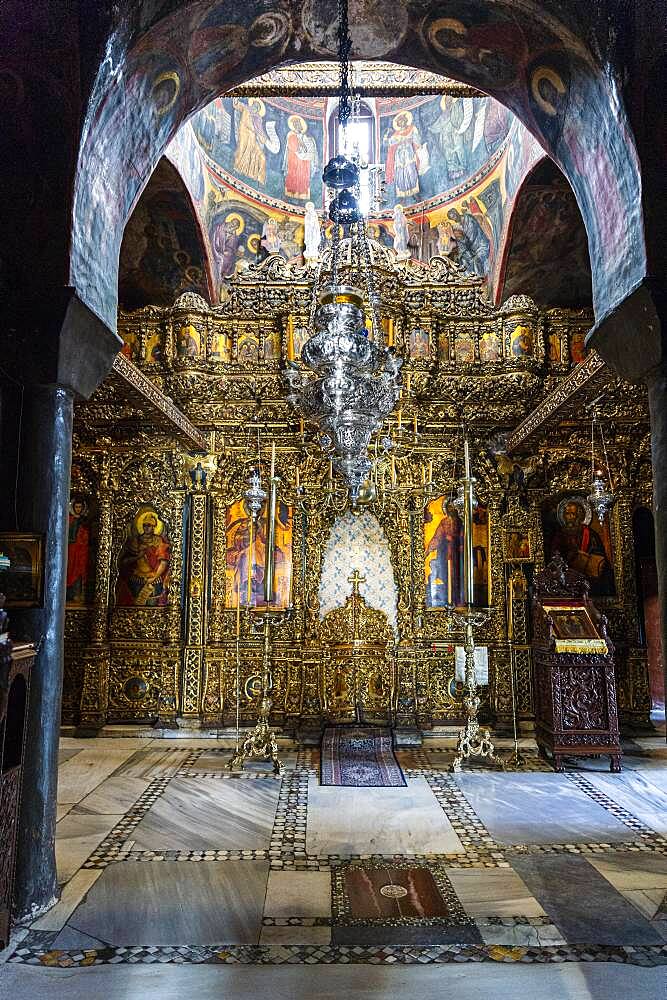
(167, 859)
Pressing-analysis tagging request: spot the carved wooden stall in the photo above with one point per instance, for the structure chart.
(575, 688)
(16, 662)
(162, 456)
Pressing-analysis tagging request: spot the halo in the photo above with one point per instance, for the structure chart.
(161, 109)
(292, 122)
(80, 500)
(402, 114)
(141, 517)
(581, 502)
(259, 104)
(253, 242)
(235, 217)
(546, 73)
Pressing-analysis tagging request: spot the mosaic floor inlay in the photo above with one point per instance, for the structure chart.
(167, 857)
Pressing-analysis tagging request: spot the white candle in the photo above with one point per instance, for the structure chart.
(273, 459)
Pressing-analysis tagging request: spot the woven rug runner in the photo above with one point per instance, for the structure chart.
(359, 757)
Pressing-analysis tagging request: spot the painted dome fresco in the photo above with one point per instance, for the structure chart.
(273, 148)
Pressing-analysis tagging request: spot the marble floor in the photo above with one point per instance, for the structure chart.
(174, 871)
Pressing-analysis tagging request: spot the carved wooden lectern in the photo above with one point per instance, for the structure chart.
(575, 688)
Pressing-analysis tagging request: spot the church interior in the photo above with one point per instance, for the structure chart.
(332, 523)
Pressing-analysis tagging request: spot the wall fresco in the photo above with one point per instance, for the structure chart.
(162, 254)
(547, 227)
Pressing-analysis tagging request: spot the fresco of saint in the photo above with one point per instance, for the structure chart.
(252, 137)
(403, 156)
(78, 552)
(225, 243)
(450, 129)
(300, 159)
(144, 563)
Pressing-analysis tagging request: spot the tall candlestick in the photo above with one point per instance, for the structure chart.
(393, 471)
(238, 608)
(290, 338)
(399, 417)
(414, 425)
(273, 459)
(408, 380)
(301, 426)
(331, 470)
(423, 475)
(250, 561)
(430, 470)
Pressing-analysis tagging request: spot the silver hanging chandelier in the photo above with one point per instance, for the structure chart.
(601, 498)
(348, 384)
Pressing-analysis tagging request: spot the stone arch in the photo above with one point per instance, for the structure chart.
(519, 53)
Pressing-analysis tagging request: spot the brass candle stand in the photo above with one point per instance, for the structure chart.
(261, 743)
(474, 740)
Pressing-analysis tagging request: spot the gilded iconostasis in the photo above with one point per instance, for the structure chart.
(167, 565)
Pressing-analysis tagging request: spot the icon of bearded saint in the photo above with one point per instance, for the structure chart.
(144, 563)
(581, 545)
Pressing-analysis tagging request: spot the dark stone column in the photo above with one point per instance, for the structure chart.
(58, 350)
(42, 497)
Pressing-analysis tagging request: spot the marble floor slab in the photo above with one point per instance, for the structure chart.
(211, 814)
(405, 820)
(581, 903)
(298, 894)
(570, 981)
(520, 935)
(638, 792)
(72, 894)
(82, 773)
(175, 902)
(216, 761)
(632, 870)
(76, 838)
(115, 795)
(160, 762)
(652, 903)
(66, 753)
(498, 892)
(538, 808)
(295, 935)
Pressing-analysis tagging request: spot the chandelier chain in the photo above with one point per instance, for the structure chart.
(344, 49)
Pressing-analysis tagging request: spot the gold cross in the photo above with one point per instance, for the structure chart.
(355, 580)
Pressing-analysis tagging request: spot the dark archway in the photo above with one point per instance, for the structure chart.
(546, 251)
(163, 252)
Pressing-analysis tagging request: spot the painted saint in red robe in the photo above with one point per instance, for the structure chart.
(300, 158)
(78, 552)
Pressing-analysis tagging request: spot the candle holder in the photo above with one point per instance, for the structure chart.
(474, 740)
(261, 743)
